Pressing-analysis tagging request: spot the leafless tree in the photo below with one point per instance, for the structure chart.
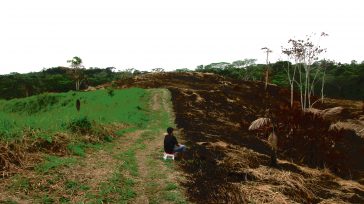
(304, 53)
(266, 73)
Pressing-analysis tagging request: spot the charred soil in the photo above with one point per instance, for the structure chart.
(227, 163)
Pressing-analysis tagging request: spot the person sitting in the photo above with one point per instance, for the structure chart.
(171, 145)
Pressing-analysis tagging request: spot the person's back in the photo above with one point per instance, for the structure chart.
(170, 142)
(171, 145)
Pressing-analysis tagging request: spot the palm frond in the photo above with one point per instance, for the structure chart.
(260, 123)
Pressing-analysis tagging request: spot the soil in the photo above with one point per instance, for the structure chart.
(227, 163)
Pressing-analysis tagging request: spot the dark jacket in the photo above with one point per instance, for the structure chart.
(169, 142)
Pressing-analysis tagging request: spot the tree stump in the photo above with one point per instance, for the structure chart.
(78, 105)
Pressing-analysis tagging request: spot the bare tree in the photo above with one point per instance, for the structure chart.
(304, 53)
(266, 73)
(322, 66)
(291, 73)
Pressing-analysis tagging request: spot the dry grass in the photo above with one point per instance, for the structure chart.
(332, 114)
(355, 125)
(289, 183)
(329, 114)
(96, 167)
(263, 194)
(24, 153)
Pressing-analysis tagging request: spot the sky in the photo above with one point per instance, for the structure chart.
(170, 34)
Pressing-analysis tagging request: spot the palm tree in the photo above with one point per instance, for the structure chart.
(265, 125)
(76, 71)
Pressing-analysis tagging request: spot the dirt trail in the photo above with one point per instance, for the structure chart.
(155, 175)
(98, 166)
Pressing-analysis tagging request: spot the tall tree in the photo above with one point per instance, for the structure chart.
(76, 70)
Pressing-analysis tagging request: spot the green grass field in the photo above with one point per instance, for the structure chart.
(51, 113)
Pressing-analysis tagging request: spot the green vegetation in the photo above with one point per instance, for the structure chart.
(129, 161)
(71, 185)
(174, 197)
(58, 79)
(19, 183)
(52, 162)
(102, 124)
(116, 189)
(171, 186)
(341, 80)
(52, 113)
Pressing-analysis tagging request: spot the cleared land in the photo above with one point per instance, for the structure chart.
(115, 155)
(228, 163)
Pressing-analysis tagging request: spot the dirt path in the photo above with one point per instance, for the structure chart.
(158, 182)
(98, 167)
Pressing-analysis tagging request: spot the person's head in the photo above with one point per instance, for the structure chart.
(170, 131)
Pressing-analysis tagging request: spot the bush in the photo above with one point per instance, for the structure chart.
(110, 91)
(80, 125)
(77, 149)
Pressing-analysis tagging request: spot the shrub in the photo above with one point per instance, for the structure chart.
(80, 125)
(110, 91)
(77, 149)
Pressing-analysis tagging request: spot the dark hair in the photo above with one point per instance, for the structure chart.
(169, 130)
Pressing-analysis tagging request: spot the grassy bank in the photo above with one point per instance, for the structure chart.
(51, 113)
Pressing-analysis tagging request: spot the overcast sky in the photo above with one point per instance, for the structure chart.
(171, 34)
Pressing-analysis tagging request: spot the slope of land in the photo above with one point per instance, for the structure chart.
(228, 164)
(110, 151)
(125, 165)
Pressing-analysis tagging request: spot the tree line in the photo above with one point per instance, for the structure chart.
(341, 80)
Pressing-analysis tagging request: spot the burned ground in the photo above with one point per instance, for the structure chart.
(227, 163)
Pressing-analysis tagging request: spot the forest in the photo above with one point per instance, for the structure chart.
(342, 80)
